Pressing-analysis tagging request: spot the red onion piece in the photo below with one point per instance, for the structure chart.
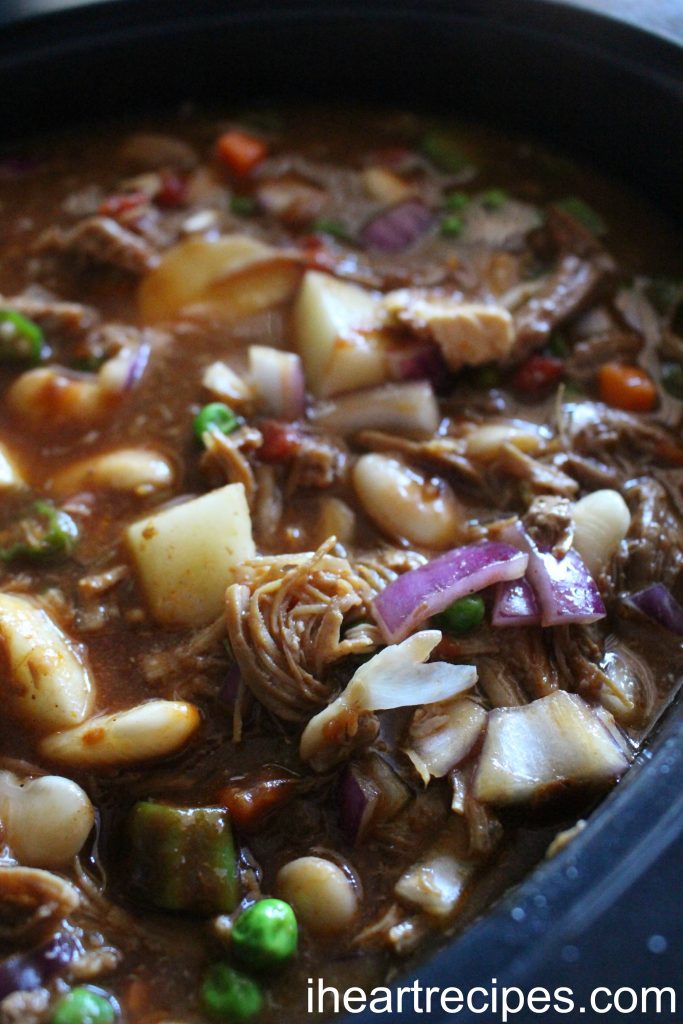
(428, 590)
(422, 361)
(515, 604)
(658, 603)
(136, 367)
(24, 972)
(565, 589)
(397, 227)
(357, 802)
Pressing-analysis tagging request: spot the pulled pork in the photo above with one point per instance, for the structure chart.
(285, 617)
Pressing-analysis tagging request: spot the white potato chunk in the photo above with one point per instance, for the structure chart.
(11, 476)
(224, 384)
(229, 276)
(407, 504)
(601, 521)
(468, 333)
(151, 730)
(335, 330)
(45, 820)
(138, 470)
(185, 555)
(47, 685)
(556, 740)
(322, 895)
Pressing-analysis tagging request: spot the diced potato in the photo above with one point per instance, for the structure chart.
(468, 333)
(227, 386)
(229, 276)
(11, 478)
(151, 730)
(385, 186)
(185, 555)
(335, 330)
(46, 684)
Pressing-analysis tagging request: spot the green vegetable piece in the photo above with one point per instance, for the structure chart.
(43, 534)
(227, 994)
(494, 198)
(183, 858)
(585, 214)
(243, 206)
(334, 228)
(451, 226)
(215, 414)
(456, 201)
(464, 615)
(444, 151)
(265, 934)
(672, 379)
(21, 340)
(83, 1006)
(486, 377)
(557, 346)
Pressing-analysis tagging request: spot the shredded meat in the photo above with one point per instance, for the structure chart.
(578, 651)
(226, 458)
(653, 549)
(317, 461)
(60, 321)
(613, 437)
(588, 355)
(549, 521)
(285, 617)
(102, 240)
(541, 477)
(32, 903)
(514, 665)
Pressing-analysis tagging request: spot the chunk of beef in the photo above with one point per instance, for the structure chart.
(588, 355)
(61, 322)
(653, 549)
(100, 240)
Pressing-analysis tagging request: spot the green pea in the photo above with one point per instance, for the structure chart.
(494, 198)
(243, 206)
(265, 934)
(452, 226)
(444, 151)
(464, 615)
(456, 201)
(21, 340)
(581, 211)
(672, 379)
(82, 1006)
(215, 414)
(227, 994)
(334, 228)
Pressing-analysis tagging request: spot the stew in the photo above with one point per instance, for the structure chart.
(341, 545)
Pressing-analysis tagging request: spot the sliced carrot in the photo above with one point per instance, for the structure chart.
(240, 152)
(627, 387)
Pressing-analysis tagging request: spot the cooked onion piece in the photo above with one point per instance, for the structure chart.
(410, 409)
(436, 883)
(154, 729)
(335, 326)
(442, 735)
(138, 470)
(227, 277)
(11, 475)
(395, 677)
(45, 820)
(486, 441)
(601, 521)
(278, 380)
(47, 684)
(556, 740)
(185, 555)
(629, 688)
(406, 504)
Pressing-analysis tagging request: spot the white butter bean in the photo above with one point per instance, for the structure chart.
(48, 686)
(128, 469)
(407, 504)
(151, 730)
(323, 896)
(44, 820)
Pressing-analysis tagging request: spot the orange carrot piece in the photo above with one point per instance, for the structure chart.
(627, 387)
(240, 152)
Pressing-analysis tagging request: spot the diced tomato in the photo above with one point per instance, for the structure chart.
(280, 441)
(627, 387)
(539, 373)
(252, 799)
(173, 190)
(121, 202)
(240, 152)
